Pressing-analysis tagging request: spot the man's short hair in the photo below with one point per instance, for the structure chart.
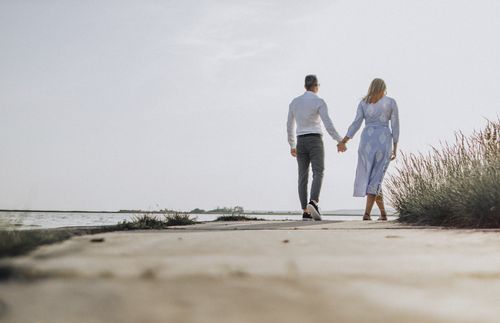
(310, 81)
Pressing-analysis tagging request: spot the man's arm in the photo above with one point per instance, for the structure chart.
(330, 128)
(290, 128)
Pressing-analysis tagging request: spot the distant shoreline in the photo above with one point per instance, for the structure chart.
(142, 212)
(70, 211)
(136, 211)
(335, 212)
(145, 212)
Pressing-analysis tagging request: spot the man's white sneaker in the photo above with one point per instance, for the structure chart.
(313, 209)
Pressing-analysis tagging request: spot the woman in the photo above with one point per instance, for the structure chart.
(374, 153)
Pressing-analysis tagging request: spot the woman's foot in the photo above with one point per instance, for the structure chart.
(367, 217)
(383, 215)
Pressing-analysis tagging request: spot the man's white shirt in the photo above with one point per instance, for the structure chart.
(306, 111)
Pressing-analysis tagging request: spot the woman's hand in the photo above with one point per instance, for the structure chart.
(394, 151)
(293, 152)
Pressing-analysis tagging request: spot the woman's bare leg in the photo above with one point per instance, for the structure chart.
(370, 200)
(380, 203)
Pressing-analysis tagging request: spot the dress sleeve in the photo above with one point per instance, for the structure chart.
(290, 127)
(395, 122)
(330, 128)
(358, 121)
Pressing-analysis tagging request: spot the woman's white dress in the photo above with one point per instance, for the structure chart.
(375, 148)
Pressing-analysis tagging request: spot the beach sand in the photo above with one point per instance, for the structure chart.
(261, 272)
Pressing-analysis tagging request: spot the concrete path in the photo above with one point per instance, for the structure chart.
(261, 272)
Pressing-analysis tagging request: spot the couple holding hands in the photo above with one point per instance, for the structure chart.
(378, 145)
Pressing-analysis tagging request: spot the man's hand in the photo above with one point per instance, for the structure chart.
(293, 152)
(341, 147)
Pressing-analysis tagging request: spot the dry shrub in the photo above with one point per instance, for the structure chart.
(457, 185)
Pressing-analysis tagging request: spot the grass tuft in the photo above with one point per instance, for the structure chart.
(237, 218)
(143, 222)
(179, 219)
(457, 185)
(152, 222)
(17, 242)
(13, 243)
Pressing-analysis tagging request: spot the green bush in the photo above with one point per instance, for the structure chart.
(457, 185)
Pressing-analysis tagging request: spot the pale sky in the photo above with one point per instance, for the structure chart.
(183, 104)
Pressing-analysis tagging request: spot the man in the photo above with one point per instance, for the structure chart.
(306, 111)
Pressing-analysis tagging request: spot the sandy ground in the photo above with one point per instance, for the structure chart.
(261, 272)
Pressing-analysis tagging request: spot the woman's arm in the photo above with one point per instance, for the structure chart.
(356, 124)
(354, 127)
(394, 128)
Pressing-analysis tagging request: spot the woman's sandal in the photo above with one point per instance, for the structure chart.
(382, 217)
(366, 217)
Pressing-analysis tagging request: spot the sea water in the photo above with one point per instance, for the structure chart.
(44, 220)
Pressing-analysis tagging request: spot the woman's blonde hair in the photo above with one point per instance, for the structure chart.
(376, 87)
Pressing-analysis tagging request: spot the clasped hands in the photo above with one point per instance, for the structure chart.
(341, 147)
